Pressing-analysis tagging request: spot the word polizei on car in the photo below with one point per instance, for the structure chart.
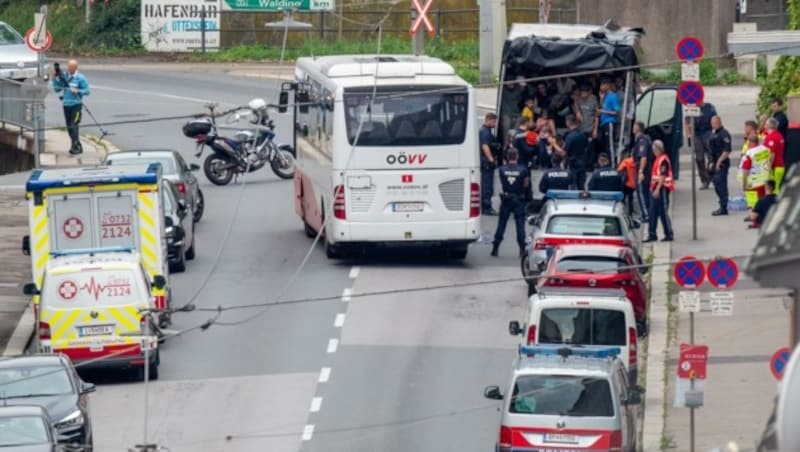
(565, 399)
(578, 217)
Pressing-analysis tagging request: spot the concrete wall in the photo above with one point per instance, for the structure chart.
(666, 21)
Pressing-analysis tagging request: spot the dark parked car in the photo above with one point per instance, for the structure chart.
(51, 382)
(27, 429)
(180, 228)
(173, 168)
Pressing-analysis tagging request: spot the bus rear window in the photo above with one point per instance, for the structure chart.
(584, 225)
(582, 326)
(94, 288)
(406, 116)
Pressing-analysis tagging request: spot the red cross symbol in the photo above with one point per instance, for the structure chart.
(68, 290)
(73, 228)
(422, 18)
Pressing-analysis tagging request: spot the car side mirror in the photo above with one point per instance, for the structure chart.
(541, 265)
(87, 387)
(168, 222)
(159, 282)
(493, 393)
(514, 328)
(181, 205)
(637, 224)
(30, 289)
(283, 102)
(194, 167)
(534, 220)
(26, 245)
(301, 99)
(634, 398)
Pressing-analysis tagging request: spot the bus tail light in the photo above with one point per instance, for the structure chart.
(474, 200)
(44, 331)
(339, 211)
(531, 334)
(615, 441)
(633, 346)
(160, 301)
(504, 445)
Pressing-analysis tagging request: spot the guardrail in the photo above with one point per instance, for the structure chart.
(14, 107)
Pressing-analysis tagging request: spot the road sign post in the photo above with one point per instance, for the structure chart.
(689, 49)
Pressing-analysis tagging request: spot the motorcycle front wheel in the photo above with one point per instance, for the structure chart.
(283, 164)
(218, 170)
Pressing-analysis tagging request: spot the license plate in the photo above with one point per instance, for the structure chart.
(560, 438)
(96, 330)
(408, 206)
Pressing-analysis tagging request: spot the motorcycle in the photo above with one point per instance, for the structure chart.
(245, 151)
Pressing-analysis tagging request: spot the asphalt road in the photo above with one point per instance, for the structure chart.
(395, 372)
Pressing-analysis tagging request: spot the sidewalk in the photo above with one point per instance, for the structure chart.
(16, 318)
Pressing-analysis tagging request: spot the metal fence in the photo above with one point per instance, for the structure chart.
(14, 109)
(355, 25)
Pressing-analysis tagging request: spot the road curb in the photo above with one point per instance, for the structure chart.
(22, 335)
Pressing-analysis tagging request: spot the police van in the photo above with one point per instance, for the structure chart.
(567, 399)
(93, 208)
(96, 308)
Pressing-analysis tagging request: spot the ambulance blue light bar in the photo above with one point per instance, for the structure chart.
(108, 249)
(566, 351)
(595, 195)
(99, 175)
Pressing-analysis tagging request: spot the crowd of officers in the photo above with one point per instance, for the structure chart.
(570, 132)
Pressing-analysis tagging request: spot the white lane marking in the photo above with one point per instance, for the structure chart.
(324, 375)
(316, 404)
(346, 295)
(354, 272)
(157, 94)
(308, 432)
(333, 344)
(339, 322)
(9, 284)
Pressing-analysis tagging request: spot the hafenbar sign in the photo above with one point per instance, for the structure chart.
(278, 5)
(175, 25)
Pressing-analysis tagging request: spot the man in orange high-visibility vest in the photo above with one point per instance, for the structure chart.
(661, 185)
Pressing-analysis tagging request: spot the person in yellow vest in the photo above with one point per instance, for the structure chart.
(750, 129)
(755, 168)
(661, 185)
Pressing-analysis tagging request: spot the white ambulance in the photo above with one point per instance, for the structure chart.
(97, 208)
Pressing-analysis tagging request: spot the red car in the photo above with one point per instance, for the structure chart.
(601, 266)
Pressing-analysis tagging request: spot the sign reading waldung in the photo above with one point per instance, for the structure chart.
(175, 25)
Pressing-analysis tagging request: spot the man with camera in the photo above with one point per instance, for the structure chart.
(71, 86)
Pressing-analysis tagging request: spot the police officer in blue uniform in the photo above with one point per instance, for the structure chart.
(606, 177)
(557, 177)
(515, 182)
(720, 163)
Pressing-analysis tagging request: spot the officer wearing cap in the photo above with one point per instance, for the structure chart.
(515, 182)
(720, 163)
(606, 177)
(557, 177)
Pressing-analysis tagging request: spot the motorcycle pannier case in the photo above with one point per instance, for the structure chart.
(197, 127)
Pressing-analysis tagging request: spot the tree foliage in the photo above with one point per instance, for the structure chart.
(785, 78)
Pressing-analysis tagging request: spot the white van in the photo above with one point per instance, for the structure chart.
(587, 317)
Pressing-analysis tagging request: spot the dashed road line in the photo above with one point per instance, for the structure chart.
(316, 404)
(346, 294)
(333, 344)
(324, 375)
(308, 432)
(339, 321)
(354, 272)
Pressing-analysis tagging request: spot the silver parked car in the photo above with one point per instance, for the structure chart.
(173, 168)
(17, 61)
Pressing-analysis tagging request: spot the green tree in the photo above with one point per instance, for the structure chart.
(785, 78)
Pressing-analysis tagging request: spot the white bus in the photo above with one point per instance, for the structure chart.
(410, 177)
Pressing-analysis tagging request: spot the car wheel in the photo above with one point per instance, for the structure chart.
(199, 206)
(190, 252)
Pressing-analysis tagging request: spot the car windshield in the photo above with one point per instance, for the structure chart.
(22, 431)
(562, 395)
(33, 381)
(431, 116)
(582, 326)
(167, 164)
(590, 264)
(91, 288)
(584, 225)
(9, 37)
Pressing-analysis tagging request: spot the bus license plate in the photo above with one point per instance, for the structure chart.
(96, 330)
(560, 438)
(408, 206)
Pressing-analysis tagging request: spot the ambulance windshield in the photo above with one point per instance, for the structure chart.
(98, 287)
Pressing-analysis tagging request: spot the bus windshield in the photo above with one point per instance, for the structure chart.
(406, 115)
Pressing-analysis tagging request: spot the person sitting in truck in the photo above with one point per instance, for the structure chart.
(527, 110)
(527, 153)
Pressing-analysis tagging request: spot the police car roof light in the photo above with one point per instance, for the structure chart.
(108, 249)
(596, 195)
(566, 351)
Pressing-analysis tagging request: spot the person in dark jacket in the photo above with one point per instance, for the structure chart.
(515, 181)
(557, 177)
(606, 177)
